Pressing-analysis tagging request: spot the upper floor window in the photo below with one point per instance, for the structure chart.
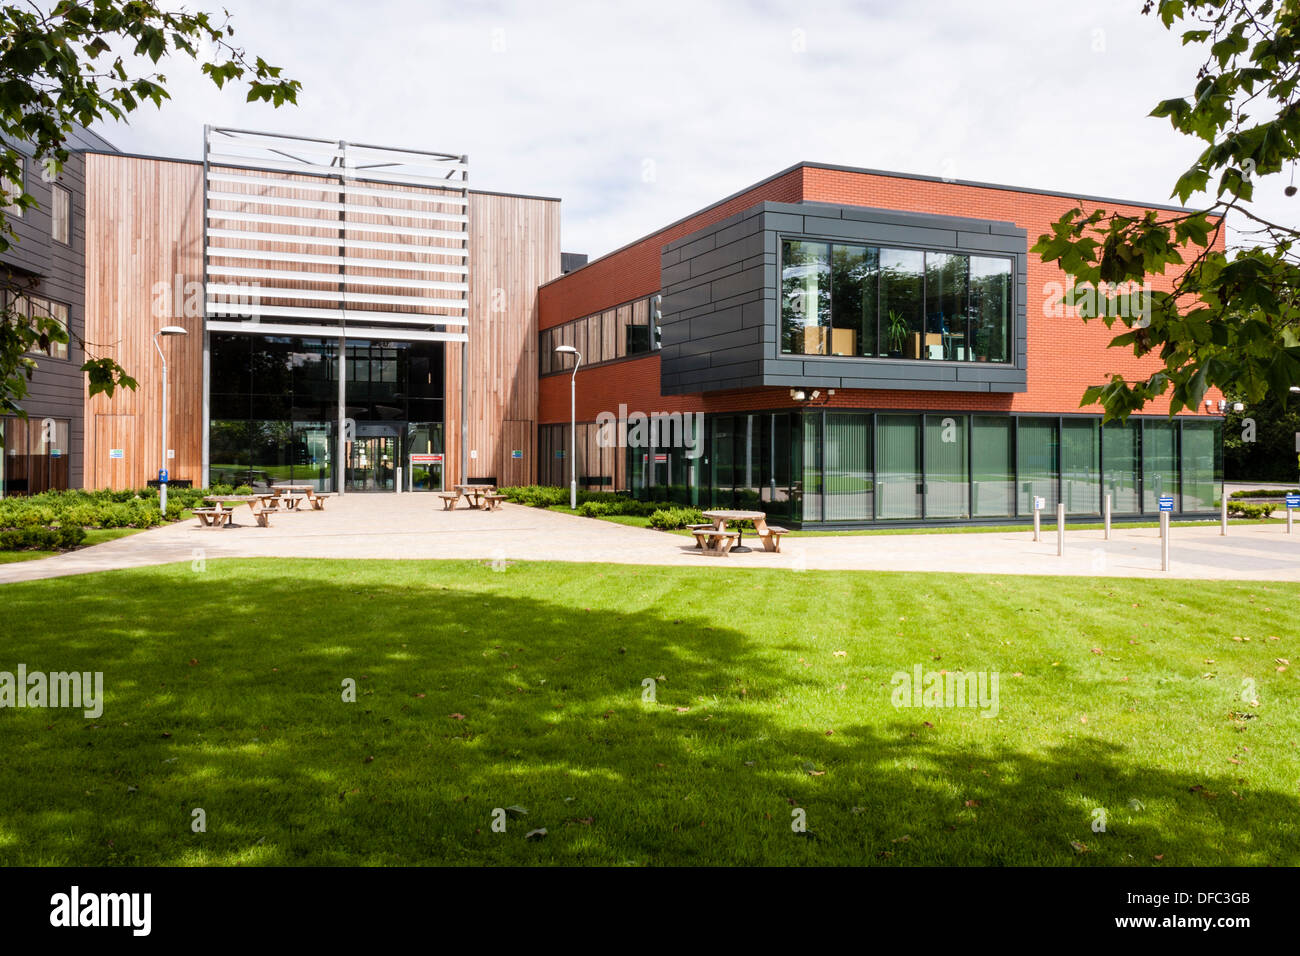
(60, 214)
(603, 337)
(13, 189)
(34, 307)
(864, 301)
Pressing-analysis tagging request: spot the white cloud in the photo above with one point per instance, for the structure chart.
(573, 99)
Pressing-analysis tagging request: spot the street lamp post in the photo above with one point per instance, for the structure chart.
(162, 469)
(573, 424)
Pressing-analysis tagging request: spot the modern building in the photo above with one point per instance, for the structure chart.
(847, 347)
(835, 346)
(44, 273)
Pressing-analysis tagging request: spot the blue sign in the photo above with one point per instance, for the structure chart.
(162, 475)
(1166, 502)
(1293, 501)
(559, 453)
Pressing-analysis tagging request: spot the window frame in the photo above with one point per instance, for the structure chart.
(57, 191)
(880, 249)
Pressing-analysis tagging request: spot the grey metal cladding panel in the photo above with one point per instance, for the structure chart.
(752, 314)
(716, 270)
(799, 381)
(783, 222)
(672, 273)
(717, 323)
(917, 372)
(724, 234)
(669, 257)
(1007, 229)
(991, 243)
(876, 233)
(747, 352)
(698, 246)
(687, 298)
(749, 281)
(990, 373)
(892, 384)
(732, 253)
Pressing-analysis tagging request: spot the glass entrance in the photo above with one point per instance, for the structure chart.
(371, 463)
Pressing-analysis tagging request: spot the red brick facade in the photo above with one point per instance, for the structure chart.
(1065, 356)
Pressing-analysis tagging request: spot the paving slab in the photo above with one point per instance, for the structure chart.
(415, 527)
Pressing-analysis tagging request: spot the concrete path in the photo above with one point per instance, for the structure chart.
(416, 527)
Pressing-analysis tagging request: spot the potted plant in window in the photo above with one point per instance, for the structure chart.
(897, 333)
(982, 337)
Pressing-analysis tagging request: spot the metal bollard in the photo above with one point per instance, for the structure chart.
(1223, 516)
(1036, 518)
(1289, 513)
(1164, 541)
(1060, 528)
(1105, 517)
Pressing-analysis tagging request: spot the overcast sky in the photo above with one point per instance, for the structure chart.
(636, 114)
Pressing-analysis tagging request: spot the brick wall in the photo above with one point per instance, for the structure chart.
(1065, 355)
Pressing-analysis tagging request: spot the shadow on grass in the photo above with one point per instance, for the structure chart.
(224, 693)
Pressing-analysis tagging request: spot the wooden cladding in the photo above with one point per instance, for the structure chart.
(144, 270)
(514, 248)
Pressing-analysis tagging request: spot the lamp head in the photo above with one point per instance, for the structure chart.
(566, 349)
(172, 330)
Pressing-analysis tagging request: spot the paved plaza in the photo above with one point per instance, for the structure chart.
(412, 527)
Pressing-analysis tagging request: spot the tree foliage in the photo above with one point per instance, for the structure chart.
(67, 64)
(1232, 317)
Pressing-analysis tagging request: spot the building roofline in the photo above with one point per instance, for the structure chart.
(199, 162)
(889, 174)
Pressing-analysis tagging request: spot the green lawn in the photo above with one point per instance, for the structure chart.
(482, 689)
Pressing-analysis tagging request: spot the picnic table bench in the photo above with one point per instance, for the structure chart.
(493, 501)
(714, 542)
(211, 518)
(770, 535)
(477, 495)
(449, 499)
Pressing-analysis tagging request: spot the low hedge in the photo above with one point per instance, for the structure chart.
(57, 520)
(1259, 511)
(41, 539)
(668, 519)
(1265, 493)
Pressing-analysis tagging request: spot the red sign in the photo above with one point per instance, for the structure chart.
(426, 459)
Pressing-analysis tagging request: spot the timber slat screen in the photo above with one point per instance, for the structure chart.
(317, 237)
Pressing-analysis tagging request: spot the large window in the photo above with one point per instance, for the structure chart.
(1081, 466)
(947, 484)
(1202, 465)
(36, 454)
(1159, 463)
(898, 466)
(841, 299)
(1039, 456)
(993, 467)
(1121, 445)
(849, 470)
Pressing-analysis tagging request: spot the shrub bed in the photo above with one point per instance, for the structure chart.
(1278, 493)
(1259, 511)
(57, 520)
(670, 518)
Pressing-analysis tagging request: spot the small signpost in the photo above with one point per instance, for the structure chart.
(1166, 509)
(1292, 503)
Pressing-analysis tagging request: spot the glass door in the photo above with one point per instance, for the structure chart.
(371, 463)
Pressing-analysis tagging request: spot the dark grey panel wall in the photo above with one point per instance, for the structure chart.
(721, 315)
(56, 271)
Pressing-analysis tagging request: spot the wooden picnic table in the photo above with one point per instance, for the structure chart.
(771, 537)
(476, 494)
(219, 500)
